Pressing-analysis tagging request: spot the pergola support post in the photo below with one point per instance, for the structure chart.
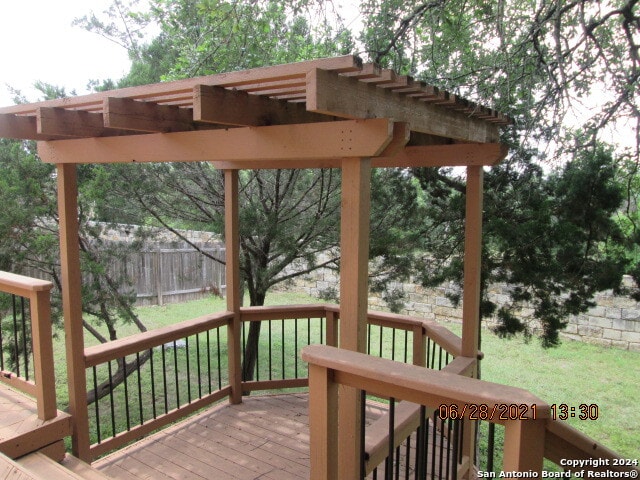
(232, 241)
(354, 257)
(72, 307)
(471, 290)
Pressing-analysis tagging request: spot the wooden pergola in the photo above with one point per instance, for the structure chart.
(326, 113)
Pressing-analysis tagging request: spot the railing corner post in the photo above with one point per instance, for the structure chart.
(524, 445)
(41, 331)
(323, 423)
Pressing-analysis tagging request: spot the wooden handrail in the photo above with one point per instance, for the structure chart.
(281, 312)
(21, 285)
(145, 340)
(563, 442)
(419, 385)
(39, 294)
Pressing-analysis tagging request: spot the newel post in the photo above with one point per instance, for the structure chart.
(524, 445)
(323, 424)
(40, 302)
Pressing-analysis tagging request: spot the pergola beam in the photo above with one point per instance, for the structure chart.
(454, 155)
(128, 114)
(346, 97)
(295, 143)
(218, 105)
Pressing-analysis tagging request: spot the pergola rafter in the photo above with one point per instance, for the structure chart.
(326, 113)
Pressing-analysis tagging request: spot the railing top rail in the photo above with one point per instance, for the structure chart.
(153, 338)
(420, 385)
(281, 312)
(21, 285)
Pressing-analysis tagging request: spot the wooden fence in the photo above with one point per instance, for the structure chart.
(166, 274)
(169, 275)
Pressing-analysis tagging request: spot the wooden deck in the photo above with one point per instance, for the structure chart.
(265, 437)
(22, 432)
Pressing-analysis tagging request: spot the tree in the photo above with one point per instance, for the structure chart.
(29, 241)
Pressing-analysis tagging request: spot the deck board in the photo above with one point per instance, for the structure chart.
(21, 431)
(264, 437)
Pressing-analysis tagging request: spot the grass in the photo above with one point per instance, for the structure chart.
(573, 374)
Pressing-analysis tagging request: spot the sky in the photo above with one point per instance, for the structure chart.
(38, 42)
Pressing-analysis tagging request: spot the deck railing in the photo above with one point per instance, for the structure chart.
(428, 389)
(26, 345)
(173, 371)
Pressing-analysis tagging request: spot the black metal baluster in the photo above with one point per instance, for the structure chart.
(407, 463)
(270, 353)
(380, 346)
(433, 449)
(368, 339)
(428, 351)
(153, 383)
(175, 366)
(186, 354)
(406, 346)
(442, 439)
(283, 342)
(219, 364)
(113, 413)
(388, 468)
(16, 358)
(363, 454)
(199, 370)
(209, 359)
(25, 352)
(398, 462)
(456, 445)
(439, 358)
(126, 393)
(491, 446)
(96, 402)
(449, 446)
(139, 388)
(393, 344)
(295, 347)
(164, 378)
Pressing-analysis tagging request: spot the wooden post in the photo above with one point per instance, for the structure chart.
(354, 258)
(524, 445)
(232, 240)
(40, 302)
(332, 328)
(72, 307)
(471, 288)
(323, 424)
(419, 346)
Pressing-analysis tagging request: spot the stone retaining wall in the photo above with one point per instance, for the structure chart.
(614, 321)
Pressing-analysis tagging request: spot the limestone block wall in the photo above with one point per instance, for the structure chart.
(613, 322)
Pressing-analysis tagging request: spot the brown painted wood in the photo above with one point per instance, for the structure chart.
(221, 106)
(280, 142)
(162, 420)
(128, 114)
(157, 92)
(472, 262)
(524, 446)
(72, 306)
(21, 431)
(419, 385)
(455, 155)
(345, 97)
(21, 285)
(234, 300)
(42, 340)
(354, 248)
(70, 123)
(21, 127)
(140, 342)
(323, 425)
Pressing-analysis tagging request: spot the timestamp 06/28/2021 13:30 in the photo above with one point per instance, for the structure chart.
(514, 411)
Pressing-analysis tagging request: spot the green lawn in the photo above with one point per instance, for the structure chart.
(573, 374)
